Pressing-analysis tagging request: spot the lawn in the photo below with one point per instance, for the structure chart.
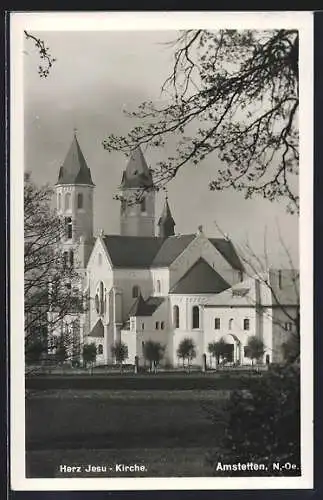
(168, 431)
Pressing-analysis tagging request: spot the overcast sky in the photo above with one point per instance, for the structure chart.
(96, 75)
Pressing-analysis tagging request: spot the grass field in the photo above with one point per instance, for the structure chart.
(169, 432)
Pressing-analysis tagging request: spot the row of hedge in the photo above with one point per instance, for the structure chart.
(138, 382)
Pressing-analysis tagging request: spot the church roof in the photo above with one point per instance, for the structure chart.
(143, 307)
(97, 330)
(141, 252)
(137, 173)
(227, 250)
(74, 169)
(171, 248)
(200, 278)
(145, 251)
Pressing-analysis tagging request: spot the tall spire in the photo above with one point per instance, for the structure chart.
(166, 222)
(74, 169)
(137, 173)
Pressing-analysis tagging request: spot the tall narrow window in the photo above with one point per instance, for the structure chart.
(67, 201)
(68, 227)
(196, 317)
(135, 291)
(59, 201)
(217, 323)
(99, 259)
(162, 325)
(280, 279)
(65, 259)
(100, 349)
(101, 298)
(246, 324)
(143, 205)
(176, 316)
(80, 200)
(158, 286)
(71, 258)
(230, 323)
(157, 325)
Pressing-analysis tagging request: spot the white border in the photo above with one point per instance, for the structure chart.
(126, 21)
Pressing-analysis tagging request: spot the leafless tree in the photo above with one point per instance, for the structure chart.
(51, 288)
(233, 93)
(258, 267)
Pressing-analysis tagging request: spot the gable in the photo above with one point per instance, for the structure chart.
(200, 278)
(98, 247)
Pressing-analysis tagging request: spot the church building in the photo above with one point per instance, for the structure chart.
(150, 283)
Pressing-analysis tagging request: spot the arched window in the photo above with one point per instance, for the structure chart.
(176, 316)
(80, 200)
(157, 325)
(97, 303)
(67, 201)
(59, 201)
(158, 286)
(68, 227)
(71, 258)
(217, 323)
(99, 259)
(196, 317)
(143, 205)
(135, 291)
(99, 299)
(100, 349)
(246, 324)
(230, 323)
(162, 325)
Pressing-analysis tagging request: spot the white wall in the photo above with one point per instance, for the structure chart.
(237, 314)
(161, 274)
(96, 273)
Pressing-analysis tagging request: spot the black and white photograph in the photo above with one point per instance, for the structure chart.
(161, 268)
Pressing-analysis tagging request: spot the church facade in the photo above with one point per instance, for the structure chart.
(144, 284)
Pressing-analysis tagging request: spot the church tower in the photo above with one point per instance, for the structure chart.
(74, 199)
(166, 222)
(137, 218)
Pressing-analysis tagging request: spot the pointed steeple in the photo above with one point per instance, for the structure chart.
(166, 222)
(137, 173)
(74, 169)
